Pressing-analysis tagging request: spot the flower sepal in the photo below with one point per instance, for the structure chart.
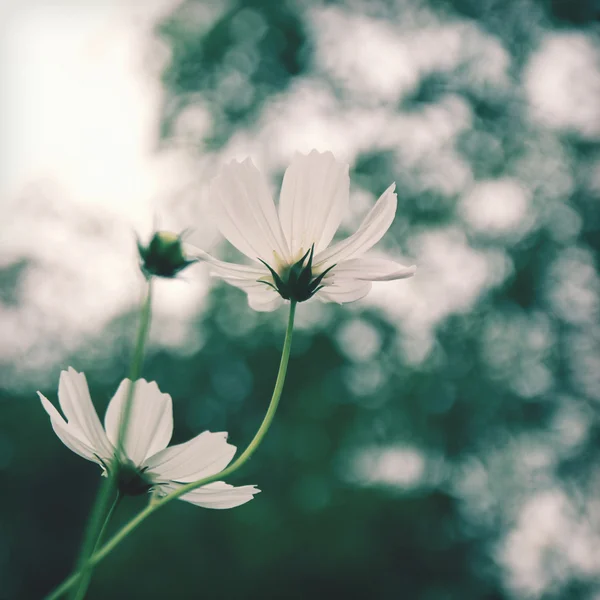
(297, 283)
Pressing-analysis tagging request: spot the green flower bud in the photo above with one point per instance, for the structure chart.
(164, 256)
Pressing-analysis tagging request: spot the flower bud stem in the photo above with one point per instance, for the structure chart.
(155, 504)
(109, 514)
(101, 513)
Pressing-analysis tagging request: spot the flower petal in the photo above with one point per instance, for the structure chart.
(245, 213)
(204, 455)
(69, 434)
(219, 495)
(230, 271)
(314, 196)
(371, 269)
(371, 230)
(261, 297)
(76, 403)
(344, 290)
(150, 424)
(264, 299)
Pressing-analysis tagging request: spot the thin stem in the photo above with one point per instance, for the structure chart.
(264, 427)
(95, 525)
(109, 515)
(67, 583)
(136, 368)
(241, 460)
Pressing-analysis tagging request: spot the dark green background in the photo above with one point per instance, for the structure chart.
(490, 445)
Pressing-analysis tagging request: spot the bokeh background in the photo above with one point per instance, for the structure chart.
(439, 440)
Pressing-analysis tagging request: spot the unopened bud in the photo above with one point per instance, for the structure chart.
(163, 256)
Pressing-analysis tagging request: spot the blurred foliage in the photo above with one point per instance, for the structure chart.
(253, 51)
(502, 409)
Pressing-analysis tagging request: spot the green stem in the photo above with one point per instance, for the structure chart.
(58, 592)
(241, 460)
(109, 515)
(136, 368)
(95, 525)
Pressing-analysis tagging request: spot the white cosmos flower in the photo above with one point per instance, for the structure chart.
(291, 245)
(149, 464)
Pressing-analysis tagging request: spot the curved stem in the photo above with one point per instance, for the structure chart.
(264, 427)
(241, 460)
(95, 526)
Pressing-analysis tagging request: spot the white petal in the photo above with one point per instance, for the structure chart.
(261, 297)
(77, 406)
(264, 300)
(314, 197)
(371, 230)
(151, 420)
(219, 495)
(371, 269)
(245, 212)
(227, 270)
(204, 455)
(70, 435)
(345, 290)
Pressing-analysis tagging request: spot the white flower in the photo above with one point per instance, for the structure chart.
(149, 464)
(290, 246)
